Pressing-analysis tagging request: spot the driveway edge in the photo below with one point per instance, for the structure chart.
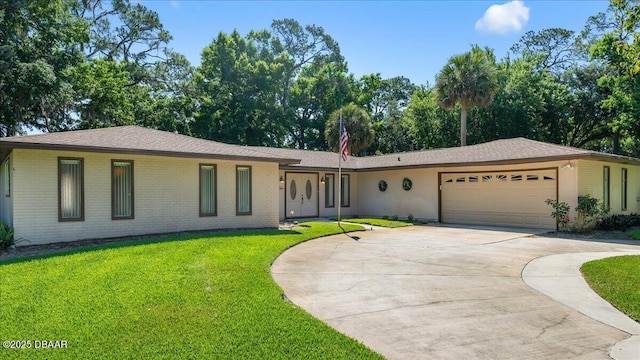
(558, 276)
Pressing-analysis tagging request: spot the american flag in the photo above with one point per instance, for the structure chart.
(344, 140)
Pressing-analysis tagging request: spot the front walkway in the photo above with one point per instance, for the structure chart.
(443, 293)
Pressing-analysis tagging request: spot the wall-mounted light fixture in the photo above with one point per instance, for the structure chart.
(322, 180)
(568, 165)
(281, 182)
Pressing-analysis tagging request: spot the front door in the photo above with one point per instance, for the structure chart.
(302, 195)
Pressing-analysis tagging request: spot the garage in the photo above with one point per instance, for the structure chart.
(503, 198)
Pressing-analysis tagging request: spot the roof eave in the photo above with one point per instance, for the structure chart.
(316, 168)
(475, 163)
(94, 149)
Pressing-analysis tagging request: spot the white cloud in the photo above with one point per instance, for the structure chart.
(175, 4)
(504, 18)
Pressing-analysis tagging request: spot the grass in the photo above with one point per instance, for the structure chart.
(379, 222)
(635, 234)
(207, 296)
(616, 280)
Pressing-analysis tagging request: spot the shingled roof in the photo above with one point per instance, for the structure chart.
(506, 151)
(139, 140)
(311, 159)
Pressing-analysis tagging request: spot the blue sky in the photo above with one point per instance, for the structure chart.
(395, 38)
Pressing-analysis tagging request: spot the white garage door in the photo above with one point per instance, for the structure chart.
(508, 198)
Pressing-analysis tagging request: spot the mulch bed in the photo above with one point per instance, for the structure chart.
(36, 250)
(591, 235)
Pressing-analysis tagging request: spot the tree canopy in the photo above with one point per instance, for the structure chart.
(77, 64)
(469, 80)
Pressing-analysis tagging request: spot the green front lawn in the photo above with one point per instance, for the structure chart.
(207, 296)
(379, 222)
(616, 279)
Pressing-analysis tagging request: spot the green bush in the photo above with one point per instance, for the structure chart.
(590, 212)
(618, 222)
(560, 213)
(410, 217)
(6, 236)
(394, 217)
(385, 217)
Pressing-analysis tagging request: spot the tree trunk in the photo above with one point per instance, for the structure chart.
(616, 142)
(463, 126)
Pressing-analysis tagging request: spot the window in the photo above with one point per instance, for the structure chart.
(605, 187)
(329, 190)
(486, 178)
(345, 201)
(70, 189)
(460, 179)
(473, 179)
(308, 189)
(208, 190)
(122, 189)
(7, 177)
(243, 190)
(532, 177)
(624, 189)
(516, 177)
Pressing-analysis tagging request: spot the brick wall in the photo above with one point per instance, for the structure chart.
(166, 191)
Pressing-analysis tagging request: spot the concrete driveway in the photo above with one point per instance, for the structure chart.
(443, 292)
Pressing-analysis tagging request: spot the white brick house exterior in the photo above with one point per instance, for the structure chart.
(504, 182)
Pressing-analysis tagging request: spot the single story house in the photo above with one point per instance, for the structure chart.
(131, 180)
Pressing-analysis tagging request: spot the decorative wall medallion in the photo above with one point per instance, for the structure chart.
(406, 184)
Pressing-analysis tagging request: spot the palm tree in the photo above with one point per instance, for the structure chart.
(469, 79)
(357, 123)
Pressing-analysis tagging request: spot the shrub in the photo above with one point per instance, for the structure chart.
(590, 211)
(394, 217)
(560, 213)
(618, 222)
(6, 236)
(410, 217)
(385, 217)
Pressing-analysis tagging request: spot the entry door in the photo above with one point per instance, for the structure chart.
(302, 195)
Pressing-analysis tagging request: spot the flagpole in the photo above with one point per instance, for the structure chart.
(339, 168)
